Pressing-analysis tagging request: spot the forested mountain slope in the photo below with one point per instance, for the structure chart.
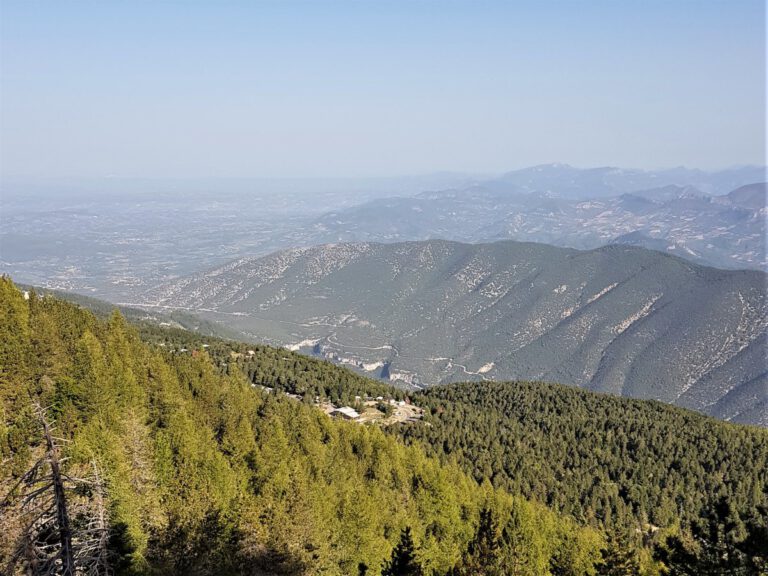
(613, 463)
(610, 462)
(616, 319)
(204, 474)
(595, 456)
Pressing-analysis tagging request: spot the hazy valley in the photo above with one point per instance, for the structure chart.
(112, 239)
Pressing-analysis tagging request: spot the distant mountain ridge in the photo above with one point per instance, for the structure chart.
(579, 183)
(138, 234)
(619, 319)
(751, 196)
(727, 231)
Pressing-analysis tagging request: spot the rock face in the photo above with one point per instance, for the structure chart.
(618, 319)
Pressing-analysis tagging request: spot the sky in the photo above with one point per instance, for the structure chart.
(192, 89)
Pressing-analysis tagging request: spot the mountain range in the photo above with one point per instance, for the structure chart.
(579, 183)
(726, 231)
(617, 319)
(114, 238)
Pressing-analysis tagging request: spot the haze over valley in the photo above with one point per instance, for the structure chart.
(112, 238)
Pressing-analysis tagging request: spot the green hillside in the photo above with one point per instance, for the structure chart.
(606, 460)
(206, 475)
(617, 464)
(203, 471)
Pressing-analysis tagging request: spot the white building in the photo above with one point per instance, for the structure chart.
(346, 412)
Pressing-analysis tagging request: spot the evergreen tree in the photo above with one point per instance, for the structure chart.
(482, 555)
(403, 561)
(619, 558)
(713, 546)
(517, 541)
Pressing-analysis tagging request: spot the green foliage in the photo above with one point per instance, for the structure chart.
(275, 368)
(516, 538)
(619, 558)
(14, 346)
(718, 543)
(482, 556)
(207, 473)
(610, 462)
(403, 561)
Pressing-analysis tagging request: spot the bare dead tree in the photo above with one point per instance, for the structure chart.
(91, 546)
(47, 540)
(51, 542)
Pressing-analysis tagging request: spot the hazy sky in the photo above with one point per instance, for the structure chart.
(374, 88)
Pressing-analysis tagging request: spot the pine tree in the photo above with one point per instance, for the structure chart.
(482, 555)
(516, 539)
(713, 546)
(403, 561)
(619, 558)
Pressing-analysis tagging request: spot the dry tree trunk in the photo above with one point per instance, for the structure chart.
(63, 525)
(49, 544)
(92, 552)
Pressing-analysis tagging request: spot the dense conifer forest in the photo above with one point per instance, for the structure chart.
(146, 450)
(606, 460)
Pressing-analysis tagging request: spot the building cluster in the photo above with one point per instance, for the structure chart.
(367, 409)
